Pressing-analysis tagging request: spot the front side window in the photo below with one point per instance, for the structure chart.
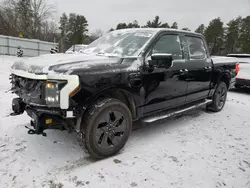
(196, 48)
(169, 44)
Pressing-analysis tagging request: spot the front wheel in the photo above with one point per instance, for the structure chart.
(107, 128)
(219, 98)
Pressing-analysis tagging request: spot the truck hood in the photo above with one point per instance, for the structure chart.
(63, 63)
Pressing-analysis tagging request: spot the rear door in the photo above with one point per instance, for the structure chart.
(199, 66)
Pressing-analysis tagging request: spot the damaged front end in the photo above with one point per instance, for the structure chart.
(42, 100)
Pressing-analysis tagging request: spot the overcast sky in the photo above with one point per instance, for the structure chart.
(105, 14)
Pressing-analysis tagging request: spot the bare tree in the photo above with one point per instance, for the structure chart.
(32, 18)
(8, 18)
(42, 12)
(49, 30)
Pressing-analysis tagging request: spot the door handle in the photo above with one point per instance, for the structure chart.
(208, 68)
(184, 71)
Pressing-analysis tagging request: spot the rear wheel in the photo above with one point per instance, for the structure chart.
(107, 128)
(219, 98)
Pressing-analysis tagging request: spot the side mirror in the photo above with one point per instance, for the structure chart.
(161, 60)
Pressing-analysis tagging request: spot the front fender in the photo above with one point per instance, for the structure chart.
(125, 89)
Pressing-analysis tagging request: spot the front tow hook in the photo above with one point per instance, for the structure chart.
(38, 130)
(33, 131)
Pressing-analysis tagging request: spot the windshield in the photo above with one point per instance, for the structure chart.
(120, 43)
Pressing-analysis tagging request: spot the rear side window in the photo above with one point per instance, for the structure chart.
(196, 48)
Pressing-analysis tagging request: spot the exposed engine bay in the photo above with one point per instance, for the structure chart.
(32, 99)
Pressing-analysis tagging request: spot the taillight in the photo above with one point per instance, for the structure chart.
(237, 68)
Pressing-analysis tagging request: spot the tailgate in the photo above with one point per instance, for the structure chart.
(244, 72)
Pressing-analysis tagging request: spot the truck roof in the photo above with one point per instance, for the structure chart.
(159, 29)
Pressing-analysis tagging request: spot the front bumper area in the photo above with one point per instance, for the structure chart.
(72, 83)
(43, 118)
(41, 122)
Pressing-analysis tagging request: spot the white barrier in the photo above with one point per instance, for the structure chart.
(30, 47)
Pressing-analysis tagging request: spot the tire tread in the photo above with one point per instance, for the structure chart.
(89, 117)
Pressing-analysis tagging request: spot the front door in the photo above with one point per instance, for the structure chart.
(165, 88)
(199, 69)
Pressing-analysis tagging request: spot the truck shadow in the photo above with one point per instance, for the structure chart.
(63, 140)
(170, 121)
(63, 147)
(242, 90)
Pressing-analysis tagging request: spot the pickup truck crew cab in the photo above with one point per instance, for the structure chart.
(126, 75)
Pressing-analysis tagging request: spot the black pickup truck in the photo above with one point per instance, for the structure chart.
(126, 75)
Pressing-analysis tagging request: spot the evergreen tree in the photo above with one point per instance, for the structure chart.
(174, 26)
(73, 30)
(155, 23)
(214, 34)
(165, 25)
(200, 29)
(232, 36)
(134, 24)
(82, 30)
(64, 29)
(121, 26)
(245, 35)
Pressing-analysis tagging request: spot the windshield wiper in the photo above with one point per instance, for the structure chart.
(100, 53)
(107, 54)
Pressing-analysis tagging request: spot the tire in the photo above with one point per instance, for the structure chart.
(219, 98)
(107, 126)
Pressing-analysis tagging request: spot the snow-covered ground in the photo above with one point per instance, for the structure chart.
(195, 150)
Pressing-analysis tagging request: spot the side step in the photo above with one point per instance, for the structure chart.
(166, 115)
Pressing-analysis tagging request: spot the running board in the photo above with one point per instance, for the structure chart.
(160, 117)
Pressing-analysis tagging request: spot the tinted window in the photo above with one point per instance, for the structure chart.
(196, 47)
(169, 44)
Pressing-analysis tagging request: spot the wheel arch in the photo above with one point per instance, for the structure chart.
(224, 77)
(125, 95)
(217, 77)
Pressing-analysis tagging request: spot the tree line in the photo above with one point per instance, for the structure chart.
(33, 19)
(232, 37)
(28, 18)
